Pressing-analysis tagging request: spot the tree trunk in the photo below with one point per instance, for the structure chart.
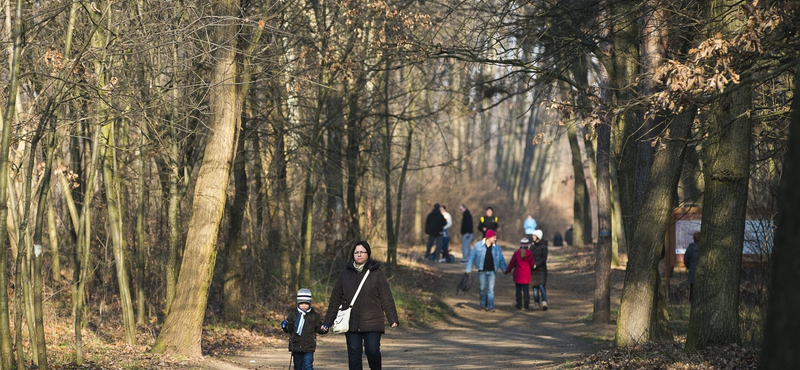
(175, 193)
(578, 204)
(714, 318)
(602, 270)
(232, 279)
(52, 233)
(115, 220)
(5, 144)
(182, 329)
(641, 275)
(782, 329)
(141, 236)
(38, 252)
(334, 176)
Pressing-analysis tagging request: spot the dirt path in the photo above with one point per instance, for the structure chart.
(474, 339)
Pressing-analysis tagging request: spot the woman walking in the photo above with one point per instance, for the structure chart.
(539, 273)
(373, 303)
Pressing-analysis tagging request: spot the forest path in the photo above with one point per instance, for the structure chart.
(472, 338)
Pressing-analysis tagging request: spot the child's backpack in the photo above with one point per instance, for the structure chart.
(464, 284)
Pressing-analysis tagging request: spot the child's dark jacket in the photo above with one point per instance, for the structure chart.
(307, 341)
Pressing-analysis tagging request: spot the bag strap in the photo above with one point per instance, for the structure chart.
(359, 289)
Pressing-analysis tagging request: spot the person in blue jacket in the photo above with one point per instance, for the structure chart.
(487, 258)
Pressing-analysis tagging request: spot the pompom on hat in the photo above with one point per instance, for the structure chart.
(304, 296)
(490, 233)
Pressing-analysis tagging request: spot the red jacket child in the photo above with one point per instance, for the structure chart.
(521, 262)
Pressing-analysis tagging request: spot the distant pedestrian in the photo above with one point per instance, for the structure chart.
(568, 236)
(488, 222)
(446, 234)
(303, 324)
(467, 234)
(690, 260)
(434, 225)
(529, 225)
(487, 258)
(522, 263)
(539, 273)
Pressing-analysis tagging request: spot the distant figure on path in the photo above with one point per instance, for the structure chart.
(568, 236)
(539, 273)
(434, 225)
(690, 260)
(446, 233)
(529, 225)
(467, 234)
(522, 263)
(488, 222)
(487, 258)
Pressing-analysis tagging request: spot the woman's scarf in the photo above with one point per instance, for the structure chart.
(358, 267)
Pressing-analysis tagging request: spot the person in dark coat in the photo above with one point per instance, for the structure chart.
(690, 260)
(303, 324)
(434, 226)
(539, 272)
(373, 306)
(488, 222)
(467, 233)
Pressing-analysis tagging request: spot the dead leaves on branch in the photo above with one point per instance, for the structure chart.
(717, 62)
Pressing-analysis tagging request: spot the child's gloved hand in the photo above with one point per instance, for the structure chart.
(284, 324)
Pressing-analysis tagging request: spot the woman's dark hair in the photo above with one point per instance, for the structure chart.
(364, 244)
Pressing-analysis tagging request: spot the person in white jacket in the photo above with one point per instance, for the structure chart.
(446, 234)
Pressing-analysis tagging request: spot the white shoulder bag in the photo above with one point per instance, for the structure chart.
(342, 322)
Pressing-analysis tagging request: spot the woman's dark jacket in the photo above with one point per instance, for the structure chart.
(373, 302)
(539, 274)
(434, 223)
(307, 340)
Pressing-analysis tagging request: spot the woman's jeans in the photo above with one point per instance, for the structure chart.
(466, 239)
(522, 290)
(487, 279)
(303, 360)
(536, 292)
(359, 342)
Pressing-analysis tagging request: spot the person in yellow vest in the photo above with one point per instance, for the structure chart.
(488, 222)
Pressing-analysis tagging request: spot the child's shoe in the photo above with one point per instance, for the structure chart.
(544, 306)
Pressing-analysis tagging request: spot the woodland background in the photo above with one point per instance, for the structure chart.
(177, 160)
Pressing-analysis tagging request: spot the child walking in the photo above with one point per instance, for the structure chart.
(303, 324)
(521, 263)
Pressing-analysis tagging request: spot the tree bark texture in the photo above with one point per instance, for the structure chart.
(579, 204)
(638, 293)
(602, 287)
(8, 116)
(232, 278)
(115, 219)
(714, 319)
(782, 329)
(182, 331)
